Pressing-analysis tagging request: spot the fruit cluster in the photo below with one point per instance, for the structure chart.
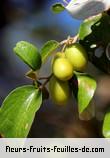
(74, 58)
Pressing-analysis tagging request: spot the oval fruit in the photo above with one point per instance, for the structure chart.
(59, 91)
(58, 55)
(77, 55)
(62, 68)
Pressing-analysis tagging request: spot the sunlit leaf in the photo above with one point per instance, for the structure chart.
(84, 88)
(106, 125)
(29, 54)
(48, 48)
(86, 26)
(94, 35)
(18, 111)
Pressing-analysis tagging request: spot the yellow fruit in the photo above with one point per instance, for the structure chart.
(77, 55)
(62, 68)
(59, 55)
(59, 91)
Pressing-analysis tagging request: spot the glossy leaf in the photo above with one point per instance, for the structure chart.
(94, 35)
(86, 26)
(89, 112)
(84, 87)
(29, 54)
(18, 111)
(106, 125)
(48, 48)
(57, 8)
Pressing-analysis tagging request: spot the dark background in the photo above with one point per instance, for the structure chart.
(33, 21)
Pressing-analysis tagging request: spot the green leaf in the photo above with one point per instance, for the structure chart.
(85, 87)
(29, 54)
(86, 26)
(48, 48)
(94, 37)
(57, 8)
(106, 125)
(89, 112)
(18, 111)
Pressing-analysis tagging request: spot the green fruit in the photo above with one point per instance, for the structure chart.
(77, 55)
(59, 91)
(58, 55)
(62, 68)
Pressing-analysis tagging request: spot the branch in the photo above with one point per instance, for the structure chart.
(47, 80)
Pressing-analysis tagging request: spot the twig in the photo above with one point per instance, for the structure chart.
(69, 40)
(63, 49)
(47, 80)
